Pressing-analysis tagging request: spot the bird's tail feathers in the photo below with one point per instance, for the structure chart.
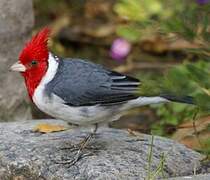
(142, 100)
(180, 99)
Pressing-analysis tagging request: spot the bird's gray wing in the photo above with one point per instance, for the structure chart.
(81, 83)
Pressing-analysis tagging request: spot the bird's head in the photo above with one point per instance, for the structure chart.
(33, 60)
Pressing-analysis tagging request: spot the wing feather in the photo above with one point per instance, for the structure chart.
(81, 83)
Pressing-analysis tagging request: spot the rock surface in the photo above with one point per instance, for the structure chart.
(113, 154)
(196, 177)
(16, 22)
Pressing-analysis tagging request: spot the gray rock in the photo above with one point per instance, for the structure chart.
(16, 22)
(195, 177)
(113, 154)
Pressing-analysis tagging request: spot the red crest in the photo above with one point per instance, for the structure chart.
(37, 48)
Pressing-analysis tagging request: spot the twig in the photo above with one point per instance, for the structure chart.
(195, 128)
(150, 159)
(160, 167)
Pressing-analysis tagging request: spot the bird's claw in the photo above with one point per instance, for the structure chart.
(71, 162)
(72, 148)
(80, 147)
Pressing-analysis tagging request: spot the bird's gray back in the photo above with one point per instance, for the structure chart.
(81, 83)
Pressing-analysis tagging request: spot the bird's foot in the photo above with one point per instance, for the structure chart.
(71, 162)
(80, 148)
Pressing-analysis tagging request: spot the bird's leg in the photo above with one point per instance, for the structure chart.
(85, 141)
(82, 146)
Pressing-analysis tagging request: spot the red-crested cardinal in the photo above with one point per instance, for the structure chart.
(78, 91)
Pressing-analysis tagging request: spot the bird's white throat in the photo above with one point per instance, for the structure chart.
(51, 70)
(49, 75)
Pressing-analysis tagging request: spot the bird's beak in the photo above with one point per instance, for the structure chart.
(18, 67)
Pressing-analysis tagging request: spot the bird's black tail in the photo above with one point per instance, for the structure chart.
(181, 99)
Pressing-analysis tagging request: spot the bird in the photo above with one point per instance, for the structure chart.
(79, 91)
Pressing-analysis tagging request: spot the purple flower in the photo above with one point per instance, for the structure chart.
(120, 49)
(202, 1)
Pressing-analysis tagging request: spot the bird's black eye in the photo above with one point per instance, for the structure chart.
(33, 62)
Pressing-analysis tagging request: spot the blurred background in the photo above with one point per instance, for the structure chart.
(166, 44)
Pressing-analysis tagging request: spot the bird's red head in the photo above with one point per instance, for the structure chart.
(33, 60)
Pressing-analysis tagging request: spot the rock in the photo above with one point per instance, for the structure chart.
(195, 177)
(113, 154)
(16, 22)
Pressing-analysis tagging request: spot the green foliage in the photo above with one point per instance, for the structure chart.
(191, 23)
(49, 6)
(190, 79)
(177, 81)
(183, 23)
(200, 73)
(129, 33)
(150, 88)
(139, 16)
(203, 102)
(186, 18)
(171, 115)
(137, 10)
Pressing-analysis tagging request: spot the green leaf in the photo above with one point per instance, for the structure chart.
(129, 33)
(201, 76)
(173, 120)
(131, 10)
(176, 82)
(203, 101)
(136, 10)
